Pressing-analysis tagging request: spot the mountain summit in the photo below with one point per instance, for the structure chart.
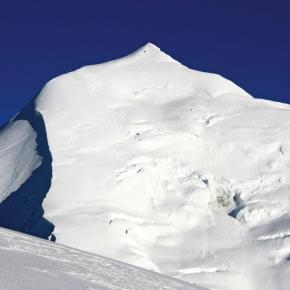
(144, 160)
(151, 53)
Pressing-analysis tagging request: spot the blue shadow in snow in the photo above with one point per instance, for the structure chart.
(22, 211)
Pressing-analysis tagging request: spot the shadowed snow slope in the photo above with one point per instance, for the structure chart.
(25, 174)
(164, 167)
(28, 263)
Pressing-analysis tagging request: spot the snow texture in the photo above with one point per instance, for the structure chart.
(167, 168)
(28, 263)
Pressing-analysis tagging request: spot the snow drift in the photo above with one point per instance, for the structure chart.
(164, 167)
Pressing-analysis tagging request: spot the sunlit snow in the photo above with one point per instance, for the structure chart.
(171, 169)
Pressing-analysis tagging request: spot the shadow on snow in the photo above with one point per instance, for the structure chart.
(22, 211)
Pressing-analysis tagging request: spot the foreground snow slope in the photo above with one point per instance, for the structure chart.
(28, 263)
(171, 169)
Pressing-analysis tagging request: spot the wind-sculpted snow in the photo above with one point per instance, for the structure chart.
(25, 167)
(17, 145)
(171, 169)
(29, 263)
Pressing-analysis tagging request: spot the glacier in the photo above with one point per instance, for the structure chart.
(146, 161)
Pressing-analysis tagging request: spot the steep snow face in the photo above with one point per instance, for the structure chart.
(26, 171)
(28, 263)
(171, 169)
(17, 146)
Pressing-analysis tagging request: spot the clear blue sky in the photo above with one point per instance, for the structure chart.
(247, 41)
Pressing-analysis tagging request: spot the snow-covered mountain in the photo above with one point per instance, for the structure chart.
(146, 161)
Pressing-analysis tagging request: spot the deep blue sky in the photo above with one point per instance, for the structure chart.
(247, 41)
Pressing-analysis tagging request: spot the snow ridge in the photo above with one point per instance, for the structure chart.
(43, 265)
(21, 208)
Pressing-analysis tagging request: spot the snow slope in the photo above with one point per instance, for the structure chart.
(17, 140)
(167, 168)
(25, 173)
(28, 263)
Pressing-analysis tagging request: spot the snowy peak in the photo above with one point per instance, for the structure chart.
(149, 162)
(150, 53)
(133, 76)
(150, 47)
